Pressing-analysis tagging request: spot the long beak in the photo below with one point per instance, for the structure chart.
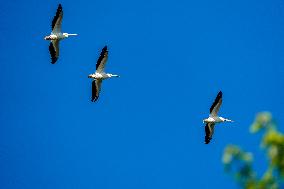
(72, 34)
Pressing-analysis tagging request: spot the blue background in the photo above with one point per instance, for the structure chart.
(146, 130)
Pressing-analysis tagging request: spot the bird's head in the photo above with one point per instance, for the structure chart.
(228, 120)
(69, 34)
(65, 34)
(225, 119)
(90, 76)
(112, 75)
(115, 76)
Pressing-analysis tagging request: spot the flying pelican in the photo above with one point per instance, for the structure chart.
(56, 35)
(100, 75)
(213, 118)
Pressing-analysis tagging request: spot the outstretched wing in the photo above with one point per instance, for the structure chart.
(56, 22)
(96, 88)
(209, 130)
(102, 60)
(54, 50)
(216, 105)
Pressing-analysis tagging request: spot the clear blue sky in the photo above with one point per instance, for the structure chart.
(146, 129)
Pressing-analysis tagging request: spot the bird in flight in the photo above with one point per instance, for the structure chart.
(56, 35)
(100, 75)
(213, 118)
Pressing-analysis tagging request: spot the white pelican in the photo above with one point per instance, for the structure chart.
(56, 35)
(100, 75)
(213, 118)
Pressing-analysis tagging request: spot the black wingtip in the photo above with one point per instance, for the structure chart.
(105, 48)
(58, 12)
(52, 53)
(218, 97)
(53, 60)
(59, 8)
(207, 140)
(94, 99)
(207, 134)
(102, 55)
